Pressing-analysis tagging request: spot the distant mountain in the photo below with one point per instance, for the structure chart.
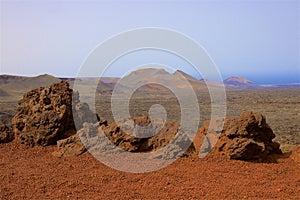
(17, 85)
(185, 75)
(240, 83)
(26, 81)
(147, 78)
(178, 79)
(195, 83)
(237, 80)
(211, 83)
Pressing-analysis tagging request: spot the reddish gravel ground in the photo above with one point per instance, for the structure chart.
(34, 173)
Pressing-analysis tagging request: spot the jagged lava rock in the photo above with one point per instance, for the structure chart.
(45, 115)
(248, 137)
(78, 143)
(137, 134)
(6, 133)
(148, 135)
(127, 141)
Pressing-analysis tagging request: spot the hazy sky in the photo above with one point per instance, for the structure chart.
(256, 39)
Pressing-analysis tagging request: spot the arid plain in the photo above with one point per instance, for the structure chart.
(35, 173)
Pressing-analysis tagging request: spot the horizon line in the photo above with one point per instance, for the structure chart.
(95, 77)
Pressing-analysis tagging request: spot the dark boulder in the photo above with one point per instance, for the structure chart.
(45, 115)
(248, 137)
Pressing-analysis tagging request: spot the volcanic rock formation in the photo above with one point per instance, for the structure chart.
(138, 134)
(245, 138)
(45, 115)
(6, 133)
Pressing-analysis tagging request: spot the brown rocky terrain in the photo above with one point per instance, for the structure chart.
(41, 170)
(280, 106)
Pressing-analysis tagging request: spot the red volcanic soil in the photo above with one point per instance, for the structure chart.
(34, 173)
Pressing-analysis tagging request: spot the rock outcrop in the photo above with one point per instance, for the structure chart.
(45, 115)
(140, 135)
(132, 135)
(89, 136)
(245, 138)
(6, 133)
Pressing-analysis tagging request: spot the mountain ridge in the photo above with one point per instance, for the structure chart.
(18, 83)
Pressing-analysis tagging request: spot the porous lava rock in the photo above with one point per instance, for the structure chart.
(138, 134)
(6, 133)
(247, 137)
(88, 136)
(45, 115)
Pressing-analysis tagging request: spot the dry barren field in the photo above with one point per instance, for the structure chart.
(281, 108)
(34, 173)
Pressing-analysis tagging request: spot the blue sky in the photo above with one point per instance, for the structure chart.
(256, 39)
